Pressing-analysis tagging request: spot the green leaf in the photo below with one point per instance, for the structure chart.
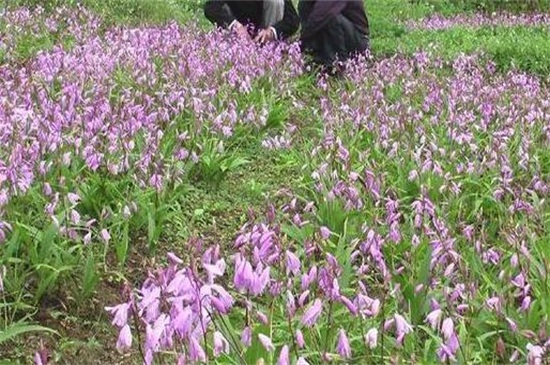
(122, 245)
(343, 255)
(151, 227)
(91, 278)
(18, 329)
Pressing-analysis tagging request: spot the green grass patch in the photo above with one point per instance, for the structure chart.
(525, 48)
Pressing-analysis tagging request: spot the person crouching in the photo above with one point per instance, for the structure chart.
(270, 19)
(333, 30)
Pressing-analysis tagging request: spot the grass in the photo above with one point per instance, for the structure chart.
(523, 48)
(127, 11)
(201, 210)
(454, 6)
(218, 207)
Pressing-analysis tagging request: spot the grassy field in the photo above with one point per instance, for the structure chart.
(400, 209)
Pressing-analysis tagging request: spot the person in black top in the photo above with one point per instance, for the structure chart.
(333, 30)
(271, 19)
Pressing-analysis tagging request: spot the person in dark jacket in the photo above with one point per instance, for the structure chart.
(333, 30)
(270, 19)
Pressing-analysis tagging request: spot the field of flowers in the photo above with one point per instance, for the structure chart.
(171, 195)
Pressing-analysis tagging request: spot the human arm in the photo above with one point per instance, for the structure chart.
(219, 13)
(289, 24)
(320, 15)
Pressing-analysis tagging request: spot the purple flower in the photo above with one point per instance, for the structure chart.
(150, 304)
(215, 270)
(126, 212)
(349, 304)
(75, 217)
(105, 236)
(88, 238)
(266, 342)
(124, 341)
(309, 278)
(371, 338)
(260, 281)
(514, 357)
(301, 361)
(494, 304)
(290, 304)
(312, 314)
(284, 357)
(183, 321)
(461, 308)
(292, 263)
(402, 327)
(196, 352)
(244, 276)
(525, 304)
(154, 333)
(246, 337)
(535, 354)
(513, 326)
(434, 317)
(367, 306)
(73, 198)
(303, 297)
(325, 232)
(120, 311)
(41, 357)
(447, 328)
(445, 353)
(448, 349)
(221, 345)
(262, 317)
(343, 347)
(38, 359)
(519, 281)
(300, 339)
(223, 299)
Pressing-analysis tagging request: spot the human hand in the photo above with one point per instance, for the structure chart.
(241, 31)
(265, 35)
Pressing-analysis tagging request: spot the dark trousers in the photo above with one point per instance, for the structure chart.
(339, 40)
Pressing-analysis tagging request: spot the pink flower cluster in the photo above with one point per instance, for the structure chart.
(130, 102)
(418, 169)
(477, 20)
(192, 300)
(64, 24)
(183, 307)
(423, 213)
